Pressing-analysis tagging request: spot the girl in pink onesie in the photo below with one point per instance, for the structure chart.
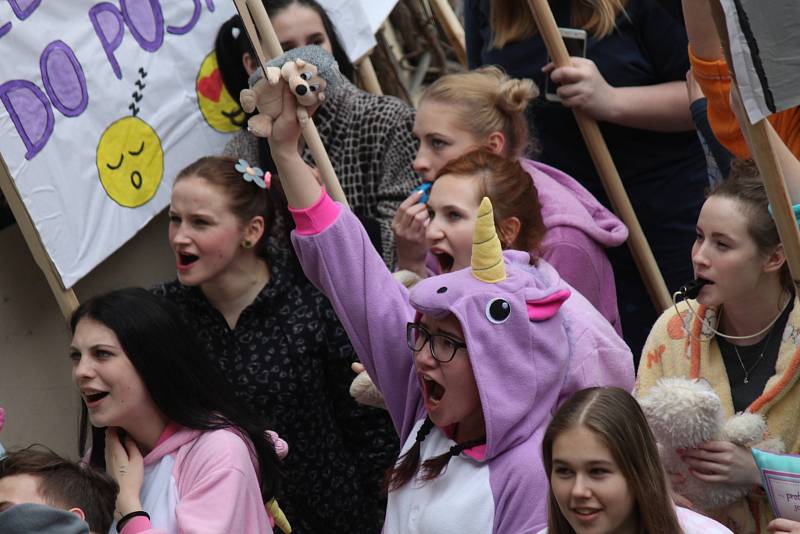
(186, 456)
(471, 363)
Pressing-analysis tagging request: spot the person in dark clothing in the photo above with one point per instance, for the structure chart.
(277, 340)
(632, 83)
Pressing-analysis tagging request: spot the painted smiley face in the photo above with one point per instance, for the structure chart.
(130, 161)
(218, 107)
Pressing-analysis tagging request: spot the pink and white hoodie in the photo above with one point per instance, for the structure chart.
(200, 482)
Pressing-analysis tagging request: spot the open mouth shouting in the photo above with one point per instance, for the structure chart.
(444, 259)
(432, 391)
(185, 261)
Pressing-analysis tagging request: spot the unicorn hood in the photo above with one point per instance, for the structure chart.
(515, 334)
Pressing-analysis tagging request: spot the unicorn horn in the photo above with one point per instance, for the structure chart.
(487, 255)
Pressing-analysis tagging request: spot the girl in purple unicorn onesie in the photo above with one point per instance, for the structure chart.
(471, 371)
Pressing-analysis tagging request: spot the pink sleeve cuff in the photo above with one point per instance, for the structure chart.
(136, 525)
(316, 218)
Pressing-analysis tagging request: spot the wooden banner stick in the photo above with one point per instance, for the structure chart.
(443, 12)
(367, 76)
(757, 137)
(601, 157)
(246, 8)
(67, 301)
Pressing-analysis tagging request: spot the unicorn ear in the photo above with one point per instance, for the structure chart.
(543, 309)
(487, 254)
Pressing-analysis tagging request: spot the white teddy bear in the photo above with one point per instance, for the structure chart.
(683, 413)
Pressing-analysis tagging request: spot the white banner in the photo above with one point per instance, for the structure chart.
(101, 104)
(356, 22)
(766, 56)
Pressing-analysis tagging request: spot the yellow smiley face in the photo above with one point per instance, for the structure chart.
(130, 161)
(219, 109)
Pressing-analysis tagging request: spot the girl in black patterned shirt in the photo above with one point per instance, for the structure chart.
(278, 341)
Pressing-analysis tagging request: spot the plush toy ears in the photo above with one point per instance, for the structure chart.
(543, 309)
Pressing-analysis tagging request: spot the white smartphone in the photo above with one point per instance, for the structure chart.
(575, 40)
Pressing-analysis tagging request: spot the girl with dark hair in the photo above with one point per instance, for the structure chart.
(605, 473)
(305, 23)
(740, 334)
(276, 339)
(186, 456)
(367, 137)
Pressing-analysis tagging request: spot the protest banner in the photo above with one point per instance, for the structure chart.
(102, 104)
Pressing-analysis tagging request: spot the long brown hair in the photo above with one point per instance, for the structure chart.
(615, 417)
(510, 189)
(245, 199)
(486, 100)
(512, 20)
(744, 185)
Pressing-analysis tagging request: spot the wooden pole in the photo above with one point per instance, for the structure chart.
(246, 8)
(443, 12)
(601, 157)
(67, 301)
(758, 140)
(369, 80)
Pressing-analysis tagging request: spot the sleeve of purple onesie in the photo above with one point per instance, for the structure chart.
(339, 259)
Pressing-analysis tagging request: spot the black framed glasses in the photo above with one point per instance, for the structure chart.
(443, 347)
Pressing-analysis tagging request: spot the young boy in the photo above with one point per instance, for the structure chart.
(39, 476)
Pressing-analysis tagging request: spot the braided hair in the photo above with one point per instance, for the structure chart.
(408, 463)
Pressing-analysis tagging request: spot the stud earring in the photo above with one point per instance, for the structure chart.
(247, 244)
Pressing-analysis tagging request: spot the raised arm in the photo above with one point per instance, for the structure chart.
(701, 30)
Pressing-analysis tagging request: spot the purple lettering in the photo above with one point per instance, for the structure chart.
(63, 79)
(210, 5)
(5, 28)
(30, 112)
(146, 22)
(180, 30)
(107, 21)
(24, 8)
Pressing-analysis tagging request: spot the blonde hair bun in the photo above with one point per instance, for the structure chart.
(514, 95)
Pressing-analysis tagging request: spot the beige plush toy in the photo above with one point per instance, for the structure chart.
(683, 413)
(308, 70)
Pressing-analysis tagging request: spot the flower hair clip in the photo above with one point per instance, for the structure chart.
(253, 174)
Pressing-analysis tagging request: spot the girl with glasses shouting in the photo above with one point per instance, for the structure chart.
(489, 350)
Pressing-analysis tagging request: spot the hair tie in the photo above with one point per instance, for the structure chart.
(424, 430)
(458, 448)
(253, 174)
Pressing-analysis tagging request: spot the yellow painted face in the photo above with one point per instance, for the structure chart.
(219, 109)
(130, 161)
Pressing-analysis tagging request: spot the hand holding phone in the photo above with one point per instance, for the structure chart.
(575, 41)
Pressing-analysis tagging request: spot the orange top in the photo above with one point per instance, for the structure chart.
(715, 81)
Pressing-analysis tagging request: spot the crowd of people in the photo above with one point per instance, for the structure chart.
(479, 282)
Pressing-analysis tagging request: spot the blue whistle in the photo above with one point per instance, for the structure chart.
(425, 187)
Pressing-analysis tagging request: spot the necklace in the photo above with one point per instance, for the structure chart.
(752, 367)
